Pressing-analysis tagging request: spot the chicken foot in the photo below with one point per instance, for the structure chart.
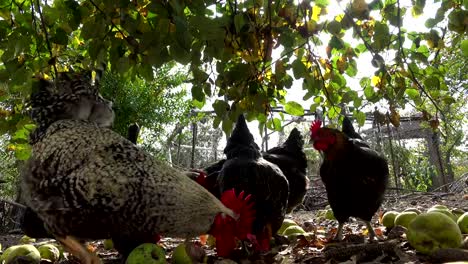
(74, 247)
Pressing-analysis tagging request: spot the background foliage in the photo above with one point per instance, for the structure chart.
(240, 56)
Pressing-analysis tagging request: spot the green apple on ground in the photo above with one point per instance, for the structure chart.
(457, 212)
(180, 256)
(440, 206)
(147, 253)
(405, 218)
(432, 231)
(26, 240)
(444, 211)
(388, 219)
(294, 229)
(286, 223)
(28, 252)
(463, 223)
(412, 209)
(49, 252)
(108, 244)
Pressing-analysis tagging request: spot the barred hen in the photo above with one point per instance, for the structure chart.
(85, 181)
(246, 170)
(354, 175)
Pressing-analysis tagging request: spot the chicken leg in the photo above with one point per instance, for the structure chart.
(339, 232)
(372, 234)
(74, 247)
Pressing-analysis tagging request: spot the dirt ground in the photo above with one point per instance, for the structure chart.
(318, 247)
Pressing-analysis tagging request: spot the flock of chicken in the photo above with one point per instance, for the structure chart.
(84, 181)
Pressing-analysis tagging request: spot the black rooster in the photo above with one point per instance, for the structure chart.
(354, 175)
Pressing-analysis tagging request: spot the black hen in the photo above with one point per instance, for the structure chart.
(348, 129)
(245, 169)
(354, 175)
(133, 132)
(291, 159)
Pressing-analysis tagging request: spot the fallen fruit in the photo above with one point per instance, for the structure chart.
(463, 223)
(439, 206)
(444, 211)
(180, 256)
(26, 240)
(108, 244)
(286, 223)
(28, 252)
(49, 252)
(431, 231)
(329, 215)
(294, 229)
(388, 219)
(147, 253)
(457, 212)
(412, 209)
(405, 218)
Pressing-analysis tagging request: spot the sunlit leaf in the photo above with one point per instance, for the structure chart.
(464, 47)
(294, 108)
(299, 69)
(220, 107)
(360, 117)
(274, 124)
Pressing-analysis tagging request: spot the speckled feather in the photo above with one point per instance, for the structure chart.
(87, 181)
(90, 182)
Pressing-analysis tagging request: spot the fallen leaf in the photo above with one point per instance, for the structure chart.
(203, 239)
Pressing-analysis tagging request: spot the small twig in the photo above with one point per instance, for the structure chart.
(449, 255)
(14, 203)
(348, 251)
(46, 34)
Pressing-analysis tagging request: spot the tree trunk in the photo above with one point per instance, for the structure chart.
(177, 130)
(438, 179)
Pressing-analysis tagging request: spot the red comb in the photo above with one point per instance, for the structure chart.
(201, 179)
(315, 126)
(243, 208)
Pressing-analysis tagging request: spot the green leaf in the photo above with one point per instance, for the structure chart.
(299, 69)
(412, 93)
(197, 93)
(199, 75)
(22, 151)
(239, 22)
(294, 108)
(322, 3)
(464, 45)
(220, 107)
(227, 125)
(432, 83)
(360, 117)
(351, 71)
(333, 112)
(60, 37)
(274, 124)
(369, 92)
